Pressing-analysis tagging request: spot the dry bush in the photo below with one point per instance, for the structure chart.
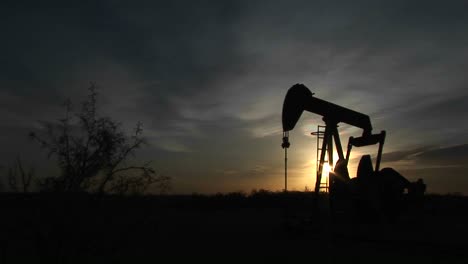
(92, 153)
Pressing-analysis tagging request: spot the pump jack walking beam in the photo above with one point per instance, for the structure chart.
(299, 98)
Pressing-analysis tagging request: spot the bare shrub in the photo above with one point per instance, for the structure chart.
(19, 178)
(92, 152)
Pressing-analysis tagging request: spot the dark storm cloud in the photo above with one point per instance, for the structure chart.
(207, 78)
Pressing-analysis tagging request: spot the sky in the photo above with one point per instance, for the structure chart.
(207, 79)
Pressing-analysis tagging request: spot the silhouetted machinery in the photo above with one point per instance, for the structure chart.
(372, 190)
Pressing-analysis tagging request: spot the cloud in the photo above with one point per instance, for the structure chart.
(173, 146)
(456, 155)
(404, 155)
(433, 160)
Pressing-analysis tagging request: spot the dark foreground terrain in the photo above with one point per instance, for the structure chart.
(233, 228)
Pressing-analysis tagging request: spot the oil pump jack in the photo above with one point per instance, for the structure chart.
(375, 186)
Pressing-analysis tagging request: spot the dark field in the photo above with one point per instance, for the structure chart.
(233, 228)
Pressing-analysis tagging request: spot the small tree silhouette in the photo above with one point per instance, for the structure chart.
(92, 152)
(19, 180)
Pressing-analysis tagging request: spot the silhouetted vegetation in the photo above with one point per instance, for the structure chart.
(20, 178)
(92, 152)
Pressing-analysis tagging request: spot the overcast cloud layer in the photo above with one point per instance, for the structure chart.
(207, 79)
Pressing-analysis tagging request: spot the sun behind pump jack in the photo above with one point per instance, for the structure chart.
(373, 190)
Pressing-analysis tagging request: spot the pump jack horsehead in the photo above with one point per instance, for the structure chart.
(379, 190)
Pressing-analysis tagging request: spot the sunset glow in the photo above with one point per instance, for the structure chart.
(208, 82)
(326, 170)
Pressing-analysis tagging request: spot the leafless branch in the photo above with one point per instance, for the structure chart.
(92, 150)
